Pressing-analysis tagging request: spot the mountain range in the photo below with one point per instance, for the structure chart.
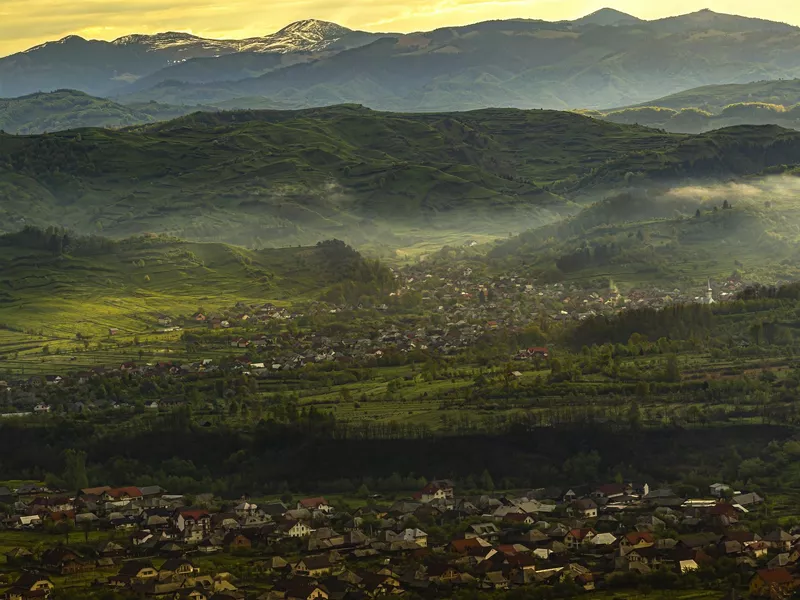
(605, 59)
(99, 67)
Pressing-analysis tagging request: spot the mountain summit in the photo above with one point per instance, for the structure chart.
(607, 17)
(309, 35)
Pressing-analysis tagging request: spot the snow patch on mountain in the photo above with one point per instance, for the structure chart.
(303, 36)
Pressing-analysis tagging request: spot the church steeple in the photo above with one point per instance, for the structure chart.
(709, 294)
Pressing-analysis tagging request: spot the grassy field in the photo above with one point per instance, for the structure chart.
(61, 308)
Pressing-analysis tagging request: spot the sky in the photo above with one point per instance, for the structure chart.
(25, 23)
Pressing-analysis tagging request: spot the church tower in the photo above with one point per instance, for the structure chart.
(709, 294)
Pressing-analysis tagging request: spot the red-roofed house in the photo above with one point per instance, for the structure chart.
(637, 539)
(123, 493)
(777, 582)
(194, 524)
(576, 537)
(466, 545)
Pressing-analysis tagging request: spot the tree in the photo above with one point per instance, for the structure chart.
(487, 483)
(697, 214)
(634, 416)
(75, 470)
(672, 370)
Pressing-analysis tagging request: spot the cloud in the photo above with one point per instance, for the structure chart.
(24, 23)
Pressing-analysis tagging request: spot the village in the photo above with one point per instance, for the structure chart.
(444, 313)
(152, 544)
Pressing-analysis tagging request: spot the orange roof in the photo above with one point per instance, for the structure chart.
(313, 502)
(194, 514)
(462, 546)
(639, 536)
(580, 534)
(95, 491)
(777, 575)
(130, 492)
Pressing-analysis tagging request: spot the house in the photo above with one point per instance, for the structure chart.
(416, 536)
(319, 504)
(234, 540)
(177, 566)
(576, 537)
(294, 529)
(637, 539)
(314, 566)
(773, 583)
(194, 524)
(611, 490)
(719, 489)
(30, 585)
(138, 569)
(299, 589)
(18, 555)
(6, 496)
(123, 493)
(585, 508)
(430, 493)
(778, 540)
(26, 521)
(603, 539)
(519, 519)
(748, 499)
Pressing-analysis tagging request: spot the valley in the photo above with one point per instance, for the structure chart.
(498, 311)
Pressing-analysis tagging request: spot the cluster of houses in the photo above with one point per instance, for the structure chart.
(312, 550)
(459, 308)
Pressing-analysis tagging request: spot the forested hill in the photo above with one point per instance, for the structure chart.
(278, 177)
(70, 109)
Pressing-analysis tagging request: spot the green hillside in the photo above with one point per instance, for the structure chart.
(715, 107)
(59, 284)
(69, 109)
(669, 236)
(713, 98)
(274, 178)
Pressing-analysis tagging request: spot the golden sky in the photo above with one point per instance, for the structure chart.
(24, 23)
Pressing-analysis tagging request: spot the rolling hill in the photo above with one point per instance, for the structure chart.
(273, 178)
(717, 106)
(92, 283)
(665, 238)
(714, 98)
(68, 109)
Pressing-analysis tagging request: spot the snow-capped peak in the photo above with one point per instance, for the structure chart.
(309, 35)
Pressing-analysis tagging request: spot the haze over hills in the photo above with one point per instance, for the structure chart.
(716, 106)
(274, 178)
(605, 59)
(68, 109)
